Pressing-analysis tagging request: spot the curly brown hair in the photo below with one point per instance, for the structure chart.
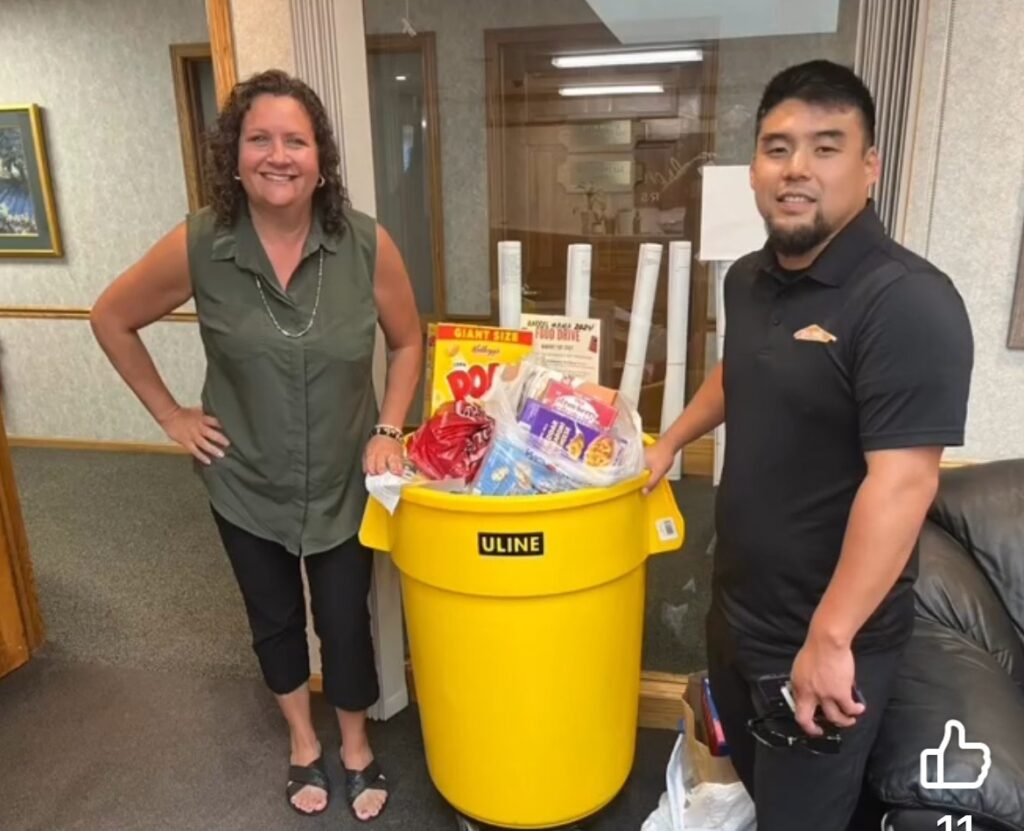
(226, 193)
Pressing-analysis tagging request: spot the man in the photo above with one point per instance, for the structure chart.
(845, 372)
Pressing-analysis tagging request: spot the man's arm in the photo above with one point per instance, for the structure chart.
(884, 524)
(704, 413)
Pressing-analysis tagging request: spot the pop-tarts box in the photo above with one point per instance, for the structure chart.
(512, 470)
(577, 441)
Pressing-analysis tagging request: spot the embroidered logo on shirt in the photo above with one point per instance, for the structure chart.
(814, 333)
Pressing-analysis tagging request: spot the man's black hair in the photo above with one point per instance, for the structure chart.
(825, 84)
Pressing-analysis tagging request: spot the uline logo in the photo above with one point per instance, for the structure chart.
(510, 545)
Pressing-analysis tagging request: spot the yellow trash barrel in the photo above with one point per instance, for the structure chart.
(525, 622)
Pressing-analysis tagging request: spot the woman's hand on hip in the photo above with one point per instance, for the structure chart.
(383, 454)
(200, 434)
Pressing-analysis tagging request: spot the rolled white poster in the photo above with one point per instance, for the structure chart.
(577, 280)
(721, 269)
(510, 283)
(674, 399)
(647, 267)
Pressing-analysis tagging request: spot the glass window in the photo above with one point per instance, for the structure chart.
(567, 122)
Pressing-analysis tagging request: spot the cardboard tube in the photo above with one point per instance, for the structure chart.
(674, 399)
(510, 283)
(577, 280)
(647, 267)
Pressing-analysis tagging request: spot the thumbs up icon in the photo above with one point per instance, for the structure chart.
(954, 733)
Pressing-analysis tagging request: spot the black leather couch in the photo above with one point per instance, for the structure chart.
(965, 660)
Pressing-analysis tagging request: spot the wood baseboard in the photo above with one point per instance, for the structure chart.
(699, 457)
(661, 696)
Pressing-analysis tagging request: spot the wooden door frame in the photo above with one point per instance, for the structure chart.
(21, 622)
(425, 44)
(222, 48)
(182, 54)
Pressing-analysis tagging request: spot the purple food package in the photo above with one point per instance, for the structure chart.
(577, 441)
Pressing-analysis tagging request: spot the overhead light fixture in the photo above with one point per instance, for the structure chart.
(616, 89)
(628, 58)
(401, 77)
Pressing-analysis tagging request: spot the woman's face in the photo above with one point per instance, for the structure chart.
(278, 160)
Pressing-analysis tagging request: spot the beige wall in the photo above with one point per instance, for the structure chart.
(102, 73)
(967, 198)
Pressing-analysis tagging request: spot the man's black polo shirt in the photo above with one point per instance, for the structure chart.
(888, 367)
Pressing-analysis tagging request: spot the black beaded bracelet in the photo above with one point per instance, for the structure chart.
(386, 430)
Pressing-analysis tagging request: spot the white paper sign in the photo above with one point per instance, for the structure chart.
(730, 225)
(567, 344)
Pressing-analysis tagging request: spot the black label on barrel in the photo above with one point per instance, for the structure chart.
(510, 545)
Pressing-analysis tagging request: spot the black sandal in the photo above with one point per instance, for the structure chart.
(299, 776)
(357, 782)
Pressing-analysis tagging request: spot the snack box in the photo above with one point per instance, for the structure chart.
(510, 470)
(716, 735)
(580, 406)
(579, 442)
(461, 361)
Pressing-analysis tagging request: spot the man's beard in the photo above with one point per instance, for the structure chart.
(794, 242)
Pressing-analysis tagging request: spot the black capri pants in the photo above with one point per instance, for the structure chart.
(339, 585)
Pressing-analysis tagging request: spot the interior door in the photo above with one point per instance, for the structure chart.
(21, 626)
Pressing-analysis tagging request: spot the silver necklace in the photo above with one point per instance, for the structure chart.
(316, 302)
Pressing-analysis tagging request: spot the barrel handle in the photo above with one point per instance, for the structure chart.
(665, 526)
(375, 532)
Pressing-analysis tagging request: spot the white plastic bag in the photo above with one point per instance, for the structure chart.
(692, 805)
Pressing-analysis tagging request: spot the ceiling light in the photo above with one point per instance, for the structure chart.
(618, 89)
(631, 58)
(401, 77)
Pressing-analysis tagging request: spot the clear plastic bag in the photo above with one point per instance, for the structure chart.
(570, 444)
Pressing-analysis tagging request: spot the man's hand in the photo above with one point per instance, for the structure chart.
(823, 675)
(658, 458)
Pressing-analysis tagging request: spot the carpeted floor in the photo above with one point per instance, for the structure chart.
(145, 709)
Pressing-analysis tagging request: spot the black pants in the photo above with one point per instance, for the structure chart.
(793, 788)
(339, 583)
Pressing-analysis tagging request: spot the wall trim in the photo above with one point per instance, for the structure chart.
(661, 697)
(71, 313)
(98, 445)
(697, 458)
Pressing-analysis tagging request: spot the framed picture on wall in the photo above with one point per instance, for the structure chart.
(28, 215)
(1016, 336)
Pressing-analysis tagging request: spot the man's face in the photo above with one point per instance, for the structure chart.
(811, 173)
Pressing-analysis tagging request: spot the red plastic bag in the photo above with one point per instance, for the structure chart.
(453, 442)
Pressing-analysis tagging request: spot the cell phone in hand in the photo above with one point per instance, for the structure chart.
(777, 696)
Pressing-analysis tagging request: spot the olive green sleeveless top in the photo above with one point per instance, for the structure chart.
(297, 411)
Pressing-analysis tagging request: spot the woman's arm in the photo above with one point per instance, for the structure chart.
(153, 287)
(400, 321)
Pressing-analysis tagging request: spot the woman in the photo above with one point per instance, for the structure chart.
(289, 284)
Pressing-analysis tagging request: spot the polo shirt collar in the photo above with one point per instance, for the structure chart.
(833, 265)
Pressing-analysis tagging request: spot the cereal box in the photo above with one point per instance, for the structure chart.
(579, 442)
(462, 360)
